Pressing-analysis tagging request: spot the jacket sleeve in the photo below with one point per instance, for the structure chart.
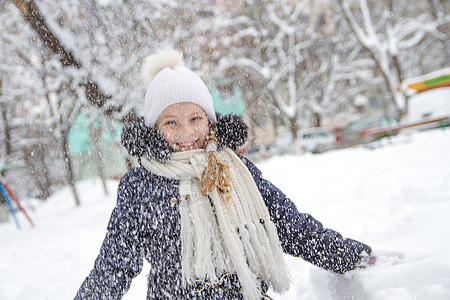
(302, 236)
(121, 254)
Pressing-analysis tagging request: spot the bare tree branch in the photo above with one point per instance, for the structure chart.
(94, 95)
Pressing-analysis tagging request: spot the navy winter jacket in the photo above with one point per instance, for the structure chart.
(146, 223)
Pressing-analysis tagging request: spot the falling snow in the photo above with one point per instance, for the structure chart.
(293, 58)
(395, 198)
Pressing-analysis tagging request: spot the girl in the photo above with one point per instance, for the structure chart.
(210, 226)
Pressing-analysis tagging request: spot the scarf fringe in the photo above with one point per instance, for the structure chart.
(262, 255)
(203, 257)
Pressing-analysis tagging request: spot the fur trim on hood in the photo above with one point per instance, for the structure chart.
(144, 141)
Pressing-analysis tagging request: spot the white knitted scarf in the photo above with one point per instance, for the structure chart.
(217, 238)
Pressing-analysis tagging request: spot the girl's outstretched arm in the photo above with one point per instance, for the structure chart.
(121, 255)
(303, 236)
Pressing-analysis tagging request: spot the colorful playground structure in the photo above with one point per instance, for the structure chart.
(6, 195)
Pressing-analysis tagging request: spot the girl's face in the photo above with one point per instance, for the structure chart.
(184, 126)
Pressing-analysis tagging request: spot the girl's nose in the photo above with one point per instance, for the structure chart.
(187, 131)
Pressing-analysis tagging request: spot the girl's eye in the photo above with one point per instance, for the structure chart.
(170, 122)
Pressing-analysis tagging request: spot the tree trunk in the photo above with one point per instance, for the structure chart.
(35, 161)
(69, 168)
(7, 131)
(7, 135)
(293, 127)
(95, 139)
(315, 120)
(296, 147)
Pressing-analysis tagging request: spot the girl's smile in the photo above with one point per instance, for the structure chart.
(188, 146)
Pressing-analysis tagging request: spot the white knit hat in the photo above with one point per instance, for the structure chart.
(171, 82)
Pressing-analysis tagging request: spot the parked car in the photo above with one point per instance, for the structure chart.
(358, 132)
(283, 144)
(314, 140)
(317, 140)
(259, 152)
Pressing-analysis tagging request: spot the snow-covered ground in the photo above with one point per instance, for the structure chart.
(395, 198)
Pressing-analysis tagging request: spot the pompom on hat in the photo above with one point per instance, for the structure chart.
(170, 82)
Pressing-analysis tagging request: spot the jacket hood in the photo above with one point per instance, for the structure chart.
(141, 140)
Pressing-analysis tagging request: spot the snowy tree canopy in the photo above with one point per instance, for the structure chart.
(298, 60)
(388, 30)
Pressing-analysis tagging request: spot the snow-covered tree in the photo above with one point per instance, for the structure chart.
(390, 31)
(295, 57)
(60, 93)
(34, 126)
(270, 44)
(21, 151)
